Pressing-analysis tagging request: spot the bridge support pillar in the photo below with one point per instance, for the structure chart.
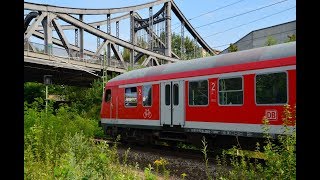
(182, 41)
(150, 29)
(132, 37)
(76, 37)
(108, 45)
(98, 39)
(168, 29)
(81, 37)
(117, 32)
(47, 27)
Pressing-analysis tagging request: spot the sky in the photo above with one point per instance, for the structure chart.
(218, 22)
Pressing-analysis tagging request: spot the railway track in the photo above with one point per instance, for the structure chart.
(179, 160)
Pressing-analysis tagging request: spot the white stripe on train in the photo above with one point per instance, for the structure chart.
(238, 127)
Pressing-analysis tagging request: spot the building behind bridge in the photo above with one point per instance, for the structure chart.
(258, 38)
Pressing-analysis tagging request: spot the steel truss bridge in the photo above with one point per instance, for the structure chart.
(72, 64)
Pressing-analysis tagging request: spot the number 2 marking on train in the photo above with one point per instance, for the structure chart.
(139, 92)
(213, 86)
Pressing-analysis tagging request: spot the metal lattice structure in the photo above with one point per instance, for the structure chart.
(157, 27)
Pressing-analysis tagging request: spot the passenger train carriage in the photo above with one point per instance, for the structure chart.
(225, 94)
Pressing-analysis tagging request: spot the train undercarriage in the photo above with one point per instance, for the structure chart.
(172, 136)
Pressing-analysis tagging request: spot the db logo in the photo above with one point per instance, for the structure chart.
(272, 114)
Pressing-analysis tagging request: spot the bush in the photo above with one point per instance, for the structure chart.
(278, 153)
(59, 145)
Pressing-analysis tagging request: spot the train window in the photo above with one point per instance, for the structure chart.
(198, 93)
(107, 95)
(271, 88)
(230, 91)
(167, 95)
(147, 95)
(175, 94)
(130, 96)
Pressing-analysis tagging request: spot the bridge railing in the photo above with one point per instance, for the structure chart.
(72, 55)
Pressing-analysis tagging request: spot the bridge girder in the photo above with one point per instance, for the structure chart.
(48, 15)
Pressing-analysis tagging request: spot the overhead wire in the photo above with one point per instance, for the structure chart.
(249, 22)
(211, 11)
(263, 7)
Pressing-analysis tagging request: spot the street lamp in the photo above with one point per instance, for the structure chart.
(47, 79)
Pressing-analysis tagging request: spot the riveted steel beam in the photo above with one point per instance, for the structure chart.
(67, 10)
(33, 26)
(118, 55)
(101, 47)
(190, 28)
(57, 42)
(81, 37)
(62, 36)
(97, 23)
(111, 38)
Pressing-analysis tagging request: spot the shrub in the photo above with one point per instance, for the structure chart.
(278, 153)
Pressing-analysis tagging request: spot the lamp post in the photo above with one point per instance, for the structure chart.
(47, 79)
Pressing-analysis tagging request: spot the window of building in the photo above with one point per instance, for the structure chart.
(198, 93)
(107, 96)
(271, 88)
(130, 96)
(147, 95)
(230, 91)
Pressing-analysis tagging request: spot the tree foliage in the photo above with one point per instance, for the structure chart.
(33, 90)
(233, 48)
(291, 38)
(126, 55)
(270, 41)
(85, 101)
(191, 49)
(60, 146)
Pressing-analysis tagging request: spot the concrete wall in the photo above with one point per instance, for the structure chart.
(259, 37)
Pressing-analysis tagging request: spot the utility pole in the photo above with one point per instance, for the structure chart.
(47, 81)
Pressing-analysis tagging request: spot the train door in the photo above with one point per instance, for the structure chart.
(172, 103)
(106, 111)
(110, 107)
(114, 104)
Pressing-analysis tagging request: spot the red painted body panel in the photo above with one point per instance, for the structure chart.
(248, 113)
(132, 112)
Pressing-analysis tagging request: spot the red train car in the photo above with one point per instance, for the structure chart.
(225, 94)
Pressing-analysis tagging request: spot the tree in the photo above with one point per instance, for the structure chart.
(126, 54)
(270, 41)
(291, 38)
(33, 90)
(233, 48)
(191, 49)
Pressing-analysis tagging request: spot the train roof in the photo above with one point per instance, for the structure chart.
(252, 55)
